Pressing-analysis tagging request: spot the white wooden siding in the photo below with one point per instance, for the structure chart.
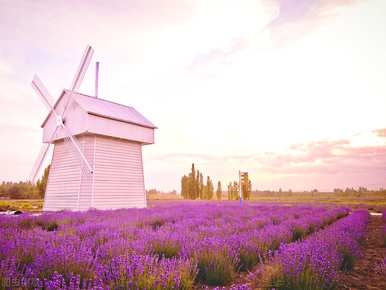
(119, 129)
(118, 174)
(117, 181)
(85, 196)
(64, 179)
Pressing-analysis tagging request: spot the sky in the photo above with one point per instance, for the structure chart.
(292, 91)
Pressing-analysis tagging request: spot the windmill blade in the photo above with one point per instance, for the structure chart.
(78, 78)
(42, 92)
(75, 142)
(38, 163)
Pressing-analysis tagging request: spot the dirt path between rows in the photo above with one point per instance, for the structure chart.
(367, 273)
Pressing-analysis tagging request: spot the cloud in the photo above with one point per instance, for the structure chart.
(323, 157)
(296, 18)
(218, 55)
(295, 11)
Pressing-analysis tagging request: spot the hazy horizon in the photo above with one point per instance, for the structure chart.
(291, 91)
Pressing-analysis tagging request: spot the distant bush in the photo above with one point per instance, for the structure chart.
(24, 189)
(19, 190)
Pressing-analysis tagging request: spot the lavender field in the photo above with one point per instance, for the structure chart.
(182, 246)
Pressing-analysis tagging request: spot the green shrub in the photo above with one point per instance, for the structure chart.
(298, 233)
(215, 268)
(347, 261)
(248, 259)
(48, 226)
(166, 248)
(305, 280)
(27, 223)
(156, 223)
(276, 220)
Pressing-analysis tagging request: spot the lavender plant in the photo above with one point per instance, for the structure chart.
(314, 263)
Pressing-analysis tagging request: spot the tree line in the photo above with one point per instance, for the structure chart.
(25, 189)
(193, 186)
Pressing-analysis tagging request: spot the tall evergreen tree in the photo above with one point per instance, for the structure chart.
(185, 187)
(193, 193)
(209, 188)
(192, 186)
(197, 184)
(201, 188)
(230, 190)
(246, 189)
(41, 184)
(235, 193)
(219, 191)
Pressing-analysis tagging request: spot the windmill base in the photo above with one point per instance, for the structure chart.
(117, 180)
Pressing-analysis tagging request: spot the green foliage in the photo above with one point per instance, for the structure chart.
(146, 276)
(298, 233)
(192, 186)
(249, 258)
(25, 190)
(48, 226)
(156, 223)
(208, 189)
(233, 191)
(22, 205)
(42, 183)
(305, 280)
(246, 189)
(219, 191)
(347, 261)
(19, 190)
(166, 248)
(276, 220)
(384, 237)
(28, 223)
(215, 268)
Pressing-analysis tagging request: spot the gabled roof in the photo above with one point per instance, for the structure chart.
(107, 109)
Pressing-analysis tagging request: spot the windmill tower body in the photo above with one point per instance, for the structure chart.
(97, 156)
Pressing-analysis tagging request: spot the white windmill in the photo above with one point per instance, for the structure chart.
(97, 156)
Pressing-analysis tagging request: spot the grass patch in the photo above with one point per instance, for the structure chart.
(24, 205)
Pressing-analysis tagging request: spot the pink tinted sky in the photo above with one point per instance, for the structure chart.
(292, 91)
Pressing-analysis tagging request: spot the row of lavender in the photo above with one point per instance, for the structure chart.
(315, 262)
(166, 247)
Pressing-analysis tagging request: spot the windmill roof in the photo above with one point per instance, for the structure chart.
(107, 109)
